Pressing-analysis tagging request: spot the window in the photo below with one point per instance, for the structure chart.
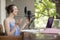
(43, 10)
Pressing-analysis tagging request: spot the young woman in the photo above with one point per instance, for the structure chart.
(12, 26)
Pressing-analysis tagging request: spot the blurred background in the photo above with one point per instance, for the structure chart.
(42, 9)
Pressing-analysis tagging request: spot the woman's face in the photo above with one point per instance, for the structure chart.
(15, 10)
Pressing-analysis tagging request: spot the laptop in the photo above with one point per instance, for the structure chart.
(50, 22)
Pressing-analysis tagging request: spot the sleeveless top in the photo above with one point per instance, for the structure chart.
(17, 31)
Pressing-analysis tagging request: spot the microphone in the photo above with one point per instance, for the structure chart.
(29, 14)
(25, 11)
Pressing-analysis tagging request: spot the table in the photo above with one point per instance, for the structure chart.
(48, 31)
(43, 31)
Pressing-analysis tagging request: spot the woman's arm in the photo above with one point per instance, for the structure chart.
(24, 26)
(26, 23)
(7, 28)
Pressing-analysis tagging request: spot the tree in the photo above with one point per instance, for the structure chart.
(44, 8)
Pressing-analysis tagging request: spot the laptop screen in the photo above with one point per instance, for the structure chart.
(49, 22)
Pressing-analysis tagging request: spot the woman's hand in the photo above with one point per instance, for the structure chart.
(27, 21)
(18, 21)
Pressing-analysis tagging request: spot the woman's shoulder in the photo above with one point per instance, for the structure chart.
(6, 20)
(9, 20)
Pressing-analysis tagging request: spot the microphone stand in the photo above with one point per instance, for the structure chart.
(31, 22)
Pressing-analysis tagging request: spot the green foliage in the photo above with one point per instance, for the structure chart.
(44, 8)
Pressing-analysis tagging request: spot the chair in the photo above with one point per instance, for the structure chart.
(1, 30)
(3, 37)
